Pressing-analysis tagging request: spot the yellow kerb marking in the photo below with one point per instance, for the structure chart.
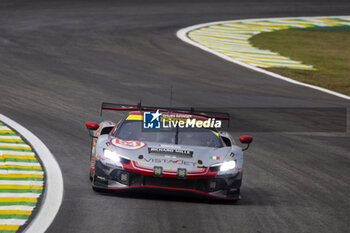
(9, 227)
(10, 140)
(26, 212)
(19, 166)
(12, 175)
(18, 199)
(5, 186)
(6, 131)
(258, 64)
(331, 22)
(5, 156)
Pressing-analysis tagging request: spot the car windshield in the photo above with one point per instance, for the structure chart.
(132, 130)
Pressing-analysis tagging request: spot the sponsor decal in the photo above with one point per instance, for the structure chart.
(200, 165)
(151, 120)
(124, 177)
(169, 161)
(157, 171)
(170, 151)
(127, 144)
(191, 123)
(181, 173)
(215, 157)
(232, 155)
(157, 120)
(98, 132)
(141, 158)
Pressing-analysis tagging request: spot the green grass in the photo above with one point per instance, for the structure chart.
(327, 49)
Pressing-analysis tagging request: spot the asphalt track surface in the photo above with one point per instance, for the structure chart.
(59, 60)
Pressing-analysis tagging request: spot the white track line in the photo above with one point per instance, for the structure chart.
(182, 34)
(52, 197)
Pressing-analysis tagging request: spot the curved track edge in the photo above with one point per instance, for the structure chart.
(182, 34)
(52, 197)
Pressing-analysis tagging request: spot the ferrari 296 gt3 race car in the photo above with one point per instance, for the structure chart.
(166, 148)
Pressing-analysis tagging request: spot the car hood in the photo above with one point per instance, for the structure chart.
(170, 156)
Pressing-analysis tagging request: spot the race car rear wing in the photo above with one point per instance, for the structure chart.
(139, 107)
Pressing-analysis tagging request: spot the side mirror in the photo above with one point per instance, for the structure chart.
(246, 140)
(91, 125)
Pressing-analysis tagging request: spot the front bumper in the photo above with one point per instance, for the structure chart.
(223, 187)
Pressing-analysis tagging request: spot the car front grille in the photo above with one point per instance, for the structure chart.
(169, 182)
(205, 185)
(135, 179)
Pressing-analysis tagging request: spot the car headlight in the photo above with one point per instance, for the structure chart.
(228, 166)
(112, 156)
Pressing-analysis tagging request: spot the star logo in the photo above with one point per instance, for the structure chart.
(151, 120)
(156, 115)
